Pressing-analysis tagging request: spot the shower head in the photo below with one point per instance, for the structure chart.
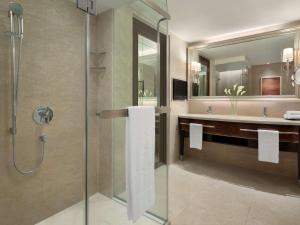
(16, 9)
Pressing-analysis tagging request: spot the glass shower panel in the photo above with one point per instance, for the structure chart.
(149, 92)
(47, 81)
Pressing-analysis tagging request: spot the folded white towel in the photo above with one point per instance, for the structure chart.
(293, 113)
(196, 136)
(291, 116)
(140, 155)
(268, 146)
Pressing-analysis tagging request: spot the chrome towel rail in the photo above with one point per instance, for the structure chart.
(280, 132)
(110, 114)
(206, 126)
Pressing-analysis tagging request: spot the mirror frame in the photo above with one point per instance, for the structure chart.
(258, 34)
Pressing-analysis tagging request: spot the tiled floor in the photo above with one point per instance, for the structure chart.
(203, 193)
(103, 211)
(206, 193)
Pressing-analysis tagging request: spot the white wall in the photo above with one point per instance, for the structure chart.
(178, 71)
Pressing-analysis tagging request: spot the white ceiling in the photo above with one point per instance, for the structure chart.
(196, 20)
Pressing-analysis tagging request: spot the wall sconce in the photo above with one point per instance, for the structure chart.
(196, 67)
(288, 55)
(288, 58)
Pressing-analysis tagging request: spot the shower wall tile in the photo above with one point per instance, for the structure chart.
(122, 89)
(52, 74)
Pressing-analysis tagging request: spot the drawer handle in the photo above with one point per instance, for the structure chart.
(281, 132)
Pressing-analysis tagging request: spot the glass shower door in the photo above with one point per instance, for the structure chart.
(42, 86)
(139, 82)
(112, 86)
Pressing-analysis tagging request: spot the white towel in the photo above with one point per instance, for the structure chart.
(196, 136)
(297, 113)
(140, 154)
(268, 146)
(291, 116)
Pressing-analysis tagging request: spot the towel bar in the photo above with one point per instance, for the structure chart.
(281, 132)
(206, 126)
(110, 114)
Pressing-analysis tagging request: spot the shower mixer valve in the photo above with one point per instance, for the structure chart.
(43, 115)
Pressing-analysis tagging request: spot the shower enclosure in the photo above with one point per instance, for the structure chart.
(60, 163)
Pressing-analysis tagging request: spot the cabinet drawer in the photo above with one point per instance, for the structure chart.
(240, 130)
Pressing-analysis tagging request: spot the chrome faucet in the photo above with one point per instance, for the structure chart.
(265, 112)
(209, 110)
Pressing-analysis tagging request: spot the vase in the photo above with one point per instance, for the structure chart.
(233, 107)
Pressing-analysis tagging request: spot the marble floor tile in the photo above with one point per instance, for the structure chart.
(207, 193)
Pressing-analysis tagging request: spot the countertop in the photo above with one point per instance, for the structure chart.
(242, 119)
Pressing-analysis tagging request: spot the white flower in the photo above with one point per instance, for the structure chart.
(243, 92)
(234, 87)
(241, 87)
(229, 91)
(226, 91)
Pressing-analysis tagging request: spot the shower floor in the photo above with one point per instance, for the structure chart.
(103, 211)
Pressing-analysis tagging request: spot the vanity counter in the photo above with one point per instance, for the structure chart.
(232, 129)
(242, 119)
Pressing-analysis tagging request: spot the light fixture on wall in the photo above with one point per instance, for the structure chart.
(287, 59)
(288, 55)
(196, 68)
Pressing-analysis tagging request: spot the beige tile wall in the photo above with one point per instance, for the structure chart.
(52, 74)
(104, 82)
(122, 89)
(275, 108)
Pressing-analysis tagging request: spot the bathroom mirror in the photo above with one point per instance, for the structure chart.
(263, 64)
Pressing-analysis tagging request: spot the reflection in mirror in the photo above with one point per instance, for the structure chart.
(264, 66)
(147, 71)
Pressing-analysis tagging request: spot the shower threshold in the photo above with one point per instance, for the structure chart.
(103, 211)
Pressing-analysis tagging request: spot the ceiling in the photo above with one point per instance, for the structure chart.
(196, 20)
(257, 52)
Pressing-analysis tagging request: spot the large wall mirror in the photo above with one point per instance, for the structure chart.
(263, 64)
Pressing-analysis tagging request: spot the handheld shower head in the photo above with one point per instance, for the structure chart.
(16, 9)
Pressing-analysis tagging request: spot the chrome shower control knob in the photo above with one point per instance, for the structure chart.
(43, 115)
